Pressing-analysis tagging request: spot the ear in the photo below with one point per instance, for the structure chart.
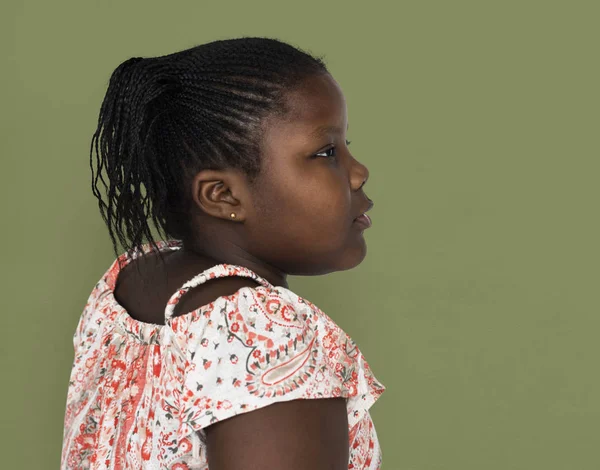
(220, 192)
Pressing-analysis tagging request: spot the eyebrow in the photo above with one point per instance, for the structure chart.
(326, 129)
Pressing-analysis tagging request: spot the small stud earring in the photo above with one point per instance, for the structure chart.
(232, 215)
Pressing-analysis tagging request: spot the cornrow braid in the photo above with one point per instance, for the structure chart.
(164, 119)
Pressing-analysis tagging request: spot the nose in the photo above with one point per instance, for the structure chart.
(360, 175)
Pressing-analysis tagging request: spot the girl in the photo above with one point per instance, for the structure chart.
(192, 352)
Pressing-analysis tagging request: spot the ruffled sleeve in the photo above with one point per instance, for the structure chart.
(265, 345)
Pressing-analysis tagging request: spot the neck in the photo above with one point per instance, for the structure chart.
(231, 253)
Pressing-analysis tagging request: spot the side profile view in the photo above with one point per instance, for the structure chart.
(192, 351)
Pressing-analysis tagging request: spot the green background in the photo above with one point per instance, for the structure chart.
(477, 304)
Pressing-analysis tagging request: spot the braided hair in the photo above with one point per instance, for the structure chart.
(164, 119)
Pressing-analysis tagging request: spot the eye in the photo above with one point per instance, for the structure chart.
(348, 142)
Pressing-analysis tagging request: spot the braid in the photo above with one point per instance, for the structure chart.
(164, 119)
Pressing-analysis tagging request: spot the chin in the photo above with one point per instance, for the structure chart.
(332, 259)
(352, 257)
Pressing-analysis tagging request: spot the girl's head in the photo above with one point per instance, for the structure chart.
(249, 126)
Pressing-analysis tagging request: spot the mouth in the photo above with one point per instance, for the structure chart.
(363, 221)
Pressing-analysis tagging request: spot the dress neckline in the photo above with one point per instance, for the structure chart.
(150, 332)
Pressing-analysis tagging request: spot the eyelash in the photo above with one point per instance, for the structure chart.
(348, 142)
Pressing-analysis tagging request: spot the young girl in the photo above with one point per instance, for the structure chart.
(192, 352)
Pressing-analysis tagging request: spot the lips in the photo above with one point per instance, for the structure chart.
(363, 221)
(364, 213)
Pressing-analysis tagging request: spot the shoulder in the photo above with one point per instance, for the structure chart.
(209, 292)
(262, 345)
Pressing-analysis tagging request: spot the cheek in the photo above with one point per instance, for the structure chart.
(307, 210)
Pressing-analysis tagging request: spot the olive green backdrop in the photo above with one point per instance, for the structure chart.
(477, 305)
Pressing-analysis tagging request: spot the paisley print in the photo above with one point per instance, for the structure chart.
(141, 394)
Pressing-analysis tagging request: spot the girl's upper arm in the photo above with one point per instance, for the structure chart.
(306, 434)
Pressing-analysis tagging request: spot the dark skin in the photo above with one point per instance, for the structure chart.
(298, 219)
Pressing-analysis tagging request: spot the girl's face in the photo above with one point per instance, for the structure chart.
(310, 189)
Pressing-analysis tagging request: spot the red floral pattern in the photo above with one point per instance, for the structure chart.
(140, 393)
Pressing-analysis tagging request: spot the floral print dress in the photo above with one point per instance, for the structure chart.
(140, 394)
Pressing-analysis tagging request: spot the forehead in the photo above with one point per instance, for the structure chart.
(317, 103)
